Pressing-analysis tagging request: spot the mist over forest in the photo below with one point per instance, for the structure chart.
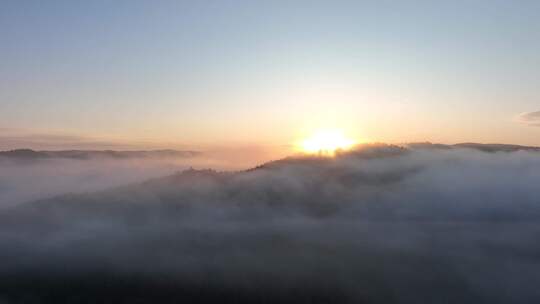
(306, 152)
(419, 223)
(27, 174)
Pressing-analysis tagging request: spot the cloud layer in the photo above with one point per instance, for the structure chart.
(380, 225)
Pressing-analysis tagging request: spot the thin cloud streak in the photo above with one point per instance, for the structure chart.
(530, 118)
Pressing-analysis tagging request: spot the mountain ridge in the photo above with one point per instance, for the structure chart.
(30, 154)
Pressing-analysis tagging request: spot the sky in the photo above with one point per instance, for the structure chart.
(264, 74)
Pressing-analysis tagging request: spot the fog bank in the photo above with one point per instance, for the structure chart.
(382, 224)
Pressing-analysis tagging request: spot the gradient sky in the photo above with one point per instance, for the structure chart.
(196, 73)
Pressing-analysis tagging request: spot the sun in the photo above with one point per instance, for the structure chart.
(326, 142)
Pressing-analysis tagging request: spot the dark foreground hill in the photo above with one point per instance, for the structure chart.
(381, 224)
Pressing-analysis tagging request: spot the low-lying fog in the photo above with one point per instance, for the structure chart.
(23, 179)
(379, 225)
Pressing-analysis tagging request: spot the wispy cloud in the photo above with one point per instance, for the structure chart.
(11, 138)
(530, 118)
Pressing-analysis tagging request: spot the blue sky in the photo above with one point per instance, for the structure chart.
(267, 72)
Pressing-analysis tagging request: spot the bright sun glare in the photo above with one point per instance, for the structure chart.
(326, 142)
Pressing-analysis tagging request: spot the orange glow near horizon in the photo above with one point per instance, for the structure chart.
(326, 142)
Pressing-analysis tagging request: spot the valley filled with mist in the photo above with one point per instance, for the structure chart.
(417, 223)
